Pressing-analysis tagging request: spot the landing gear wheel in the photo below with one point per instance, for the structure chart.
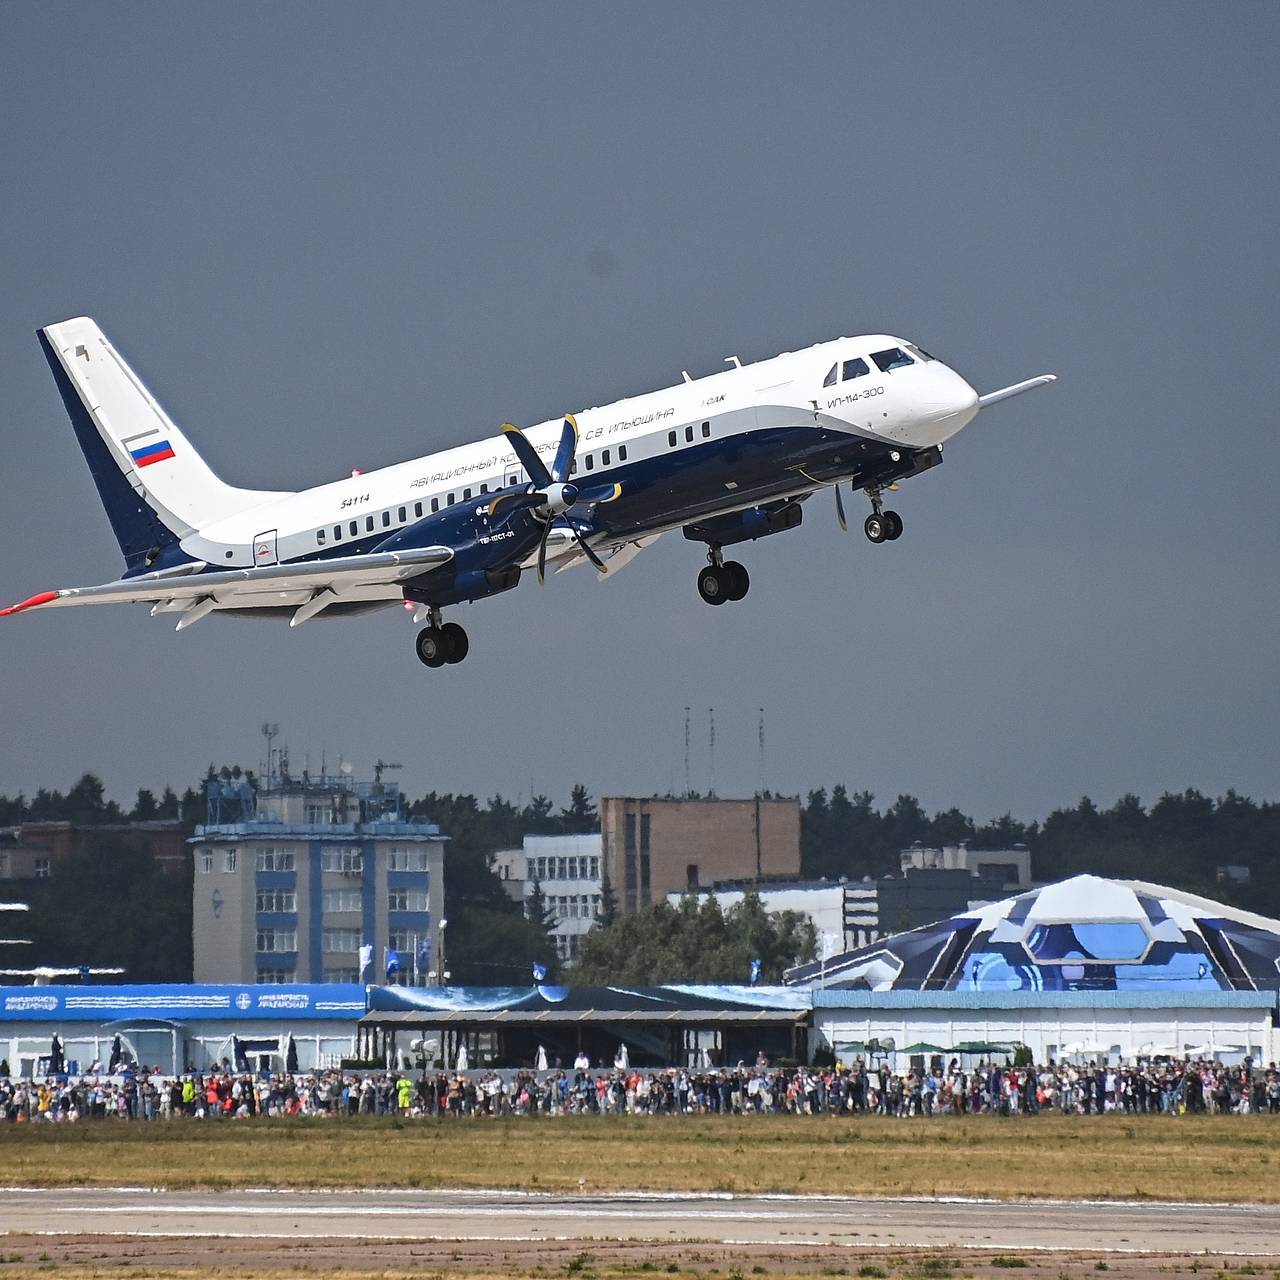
(739, 580)
(713, 585)
(432, 647)
(456, 643)
(876, 527)
(894, 521)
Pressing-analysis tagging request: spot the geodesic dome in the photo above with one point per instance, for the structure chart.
(1083, 934)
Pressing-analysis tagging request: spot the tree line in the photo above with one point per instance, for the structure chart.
(111, 905)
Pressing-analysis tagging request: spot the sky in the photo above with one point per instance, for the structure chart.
(333, 236)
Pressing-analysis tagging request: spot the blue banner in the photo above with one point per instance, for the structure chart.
(181, 1002)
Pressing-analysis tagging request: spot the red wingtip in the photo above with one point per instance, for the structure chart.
(43, 598)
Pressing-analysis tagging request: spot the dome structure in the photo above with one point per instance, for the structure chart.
(1087, 933)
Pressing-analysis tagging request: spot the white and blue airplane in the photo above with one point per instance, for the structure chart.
(727, 458)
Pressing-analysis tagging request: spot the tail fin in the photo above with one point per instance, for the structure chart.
(155, 487)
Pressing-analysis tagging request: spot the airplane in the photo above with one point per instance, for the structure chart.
(727, 458)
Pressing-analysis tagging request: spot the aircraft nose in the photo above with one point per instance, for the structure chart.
(952, 401)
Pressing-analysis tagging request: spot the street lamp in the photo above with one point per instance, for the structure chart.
(441, 972)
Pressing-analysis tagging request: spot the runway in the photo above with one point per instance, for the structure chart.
(792, 1221)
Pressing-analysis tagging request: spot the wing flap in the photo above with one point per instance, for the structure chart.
(246, 587)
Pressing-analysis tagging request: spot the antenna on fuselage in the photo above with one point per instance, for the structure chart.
(684, 373)
(733, 360)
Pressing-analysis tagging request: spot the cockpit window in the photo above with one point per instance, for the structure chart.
(919, 352)
(854, 369)
(830, 379)
(894, 358)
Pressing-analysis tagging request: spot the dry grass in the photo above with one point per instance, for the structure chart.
(1188, 1158)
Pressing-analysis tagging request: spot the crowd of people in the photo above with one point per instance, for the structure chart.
(1169, 1087)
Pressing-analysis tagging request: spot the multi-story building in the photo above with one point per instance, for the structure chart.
(33, 850)
(308, 880)
(661, 845)
(1010, 869)
(569, 872)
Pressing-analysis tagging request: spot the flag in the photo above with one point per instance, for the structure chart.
(366, 959)
(755, 970)
(539, 972)
(393, 962)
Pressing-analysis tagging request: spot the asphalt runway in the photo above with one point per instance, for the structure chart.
(794, 1221)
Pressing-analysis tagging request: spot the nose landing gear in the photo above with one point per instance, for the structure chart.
(438, 644)
(722, 579)
(881, 525)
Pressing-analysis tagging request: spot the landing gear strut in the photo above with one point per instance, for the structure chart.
(438, 644)
(881, 525)
(722, 579)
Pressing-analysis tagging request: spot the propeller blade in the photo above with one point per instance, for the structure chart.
(522, 497)
(591, 555)
(542, 554)
(561, 467)
(844, 524)
(528, 456)
(599, 493)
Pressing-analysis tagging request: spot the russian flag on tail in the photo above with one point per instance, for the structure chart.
(144, 455)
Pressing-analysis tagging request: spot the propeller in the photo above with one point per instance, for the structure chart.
(551, 493)
(844, 524)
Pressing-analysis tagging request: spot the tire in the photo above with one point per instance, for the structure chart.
(894, 521)
(875, 527)
(456, 644)
(713, 585)
(431, 647)
(739, 580)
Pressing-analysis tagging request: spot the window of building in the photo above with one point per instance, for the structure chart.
(854, 369)
(405, 941)
(406, 899)
(228, 860)
(344, 861)
(320, 537)
(830, 379)
(341, 975)
(40, 868)
(594, 868)
(406, 858)
(340, 940)
(206, 861)
(368, 524)
(336, 900)
(562, 868)
(671, 439)
(274, 977)
(706, 430)
(277, 940)
(275, 900)
(622, 453)
(893, 358)
(272, 859)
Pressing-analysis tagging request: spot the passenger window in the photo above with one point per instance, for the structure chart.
(320, 536)
(403, 514)
(671, 439)
(355, 528)
(368, 523)
(830, 379)
(337, 533)
(854, 369)
(591, 462)
(688, 434)
(894, 358)
(417, 511)
(511, 479)
(386, 519)
(451, 500)
(466, 495)
(706, 430)
(435, 505)
(622, 453)
(484, 488)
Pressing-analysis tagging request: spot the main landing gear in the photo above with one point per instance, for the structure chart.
(437, 644)
(722, 580)
(881, 525)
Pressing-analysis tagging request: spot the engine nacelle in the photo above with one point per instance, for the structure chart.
(746, 526)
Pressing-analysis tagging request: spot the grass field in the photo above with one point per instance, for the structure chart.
(1156, 1157)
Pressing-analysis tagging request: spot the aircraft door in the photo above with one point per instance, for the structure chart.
(264, 548)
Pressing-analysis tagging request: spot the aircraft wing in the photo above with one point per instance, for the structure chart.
(305, 583)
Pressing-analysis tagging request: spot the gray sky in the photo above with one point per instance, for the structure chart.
(333, 236)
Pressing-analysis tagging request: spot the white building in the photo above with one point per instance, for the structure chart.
(568, 871)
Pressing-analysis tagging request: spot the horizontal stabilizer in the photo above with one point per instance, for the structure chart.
(1007, 393)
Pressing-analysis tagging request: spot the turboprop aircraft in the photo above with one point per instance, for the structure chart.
(727, 458)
